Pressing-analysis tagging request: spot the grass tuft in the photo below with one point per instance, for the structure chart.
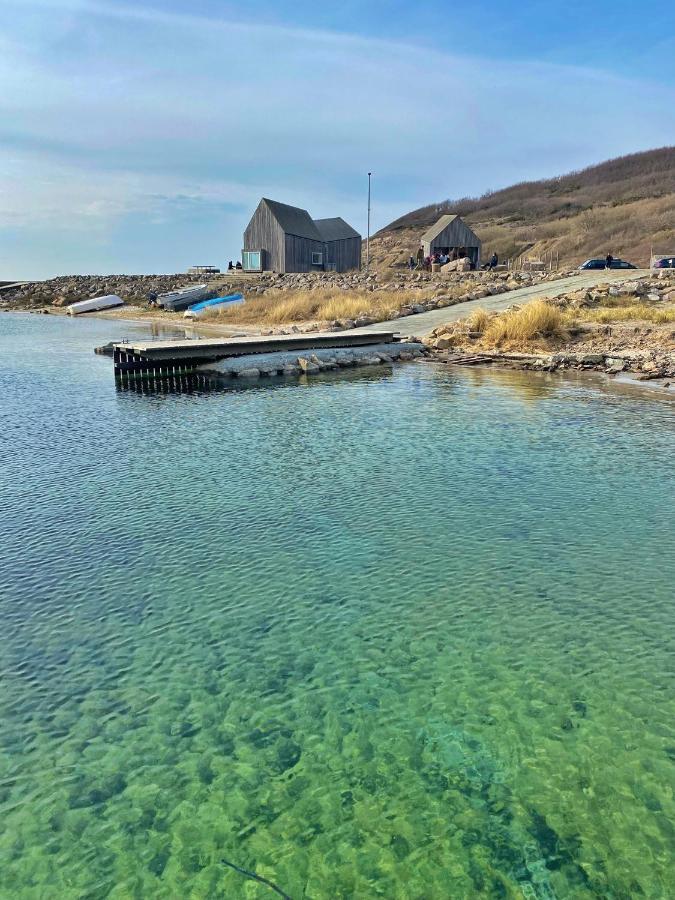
(536, 323)
(479, 320)
(639, 312)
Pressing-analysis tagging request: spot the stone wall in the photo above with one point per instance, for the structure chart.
(133, 289)
(311, 362)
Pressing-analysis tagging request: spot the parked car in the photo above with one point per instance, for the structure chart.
(598, 263)
(664, 262)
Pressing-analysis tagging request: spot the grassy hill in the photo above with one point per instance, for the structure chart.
(624, 206)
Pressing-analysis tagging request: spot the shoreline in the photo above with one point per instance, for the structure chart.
(151, 318)
(546, 364)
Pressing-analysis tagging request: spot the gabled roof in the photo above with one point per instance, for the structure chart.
(293, 220)
(436, 229)
(335, 229)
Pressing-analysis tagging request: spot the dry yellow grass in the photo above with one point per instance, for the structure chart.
(479, 320)
(322, 305)
(539, 325)
(535, 324)
(624, 206)
(639, 312)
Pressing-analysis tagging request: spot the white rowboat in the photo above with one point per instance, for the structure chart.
(94, 303)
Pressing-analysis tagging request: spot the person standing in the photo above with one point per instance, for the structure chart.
(420, 258)
(494, 262)
(411, 262)
(609, 259)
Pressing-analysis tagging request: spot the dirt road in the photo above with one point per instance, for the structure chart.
(422, 324)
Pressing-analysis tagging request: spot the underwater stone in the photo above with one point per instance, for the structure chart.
(400, 846)
(288, 754)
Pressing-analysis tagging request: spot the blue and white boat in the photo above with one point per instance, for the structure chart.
(215, 303)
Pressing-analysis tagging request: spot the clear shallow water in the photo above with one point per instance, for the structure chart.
(406, 636)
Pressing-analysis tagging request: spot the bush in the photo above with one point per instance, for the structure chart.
(536, 323)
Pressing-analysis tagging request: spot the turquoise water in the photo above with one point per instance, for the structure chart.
(400, 635)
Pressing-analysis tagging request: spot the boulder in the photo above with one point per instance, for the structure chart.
(307, 367)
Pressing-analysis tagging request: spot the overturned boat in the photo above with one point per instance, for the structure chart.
(184, 297)
(215, 303)
(108, 301)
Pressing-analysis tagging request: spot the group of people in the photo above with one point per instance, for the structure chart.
(231, 266)
(442, 257)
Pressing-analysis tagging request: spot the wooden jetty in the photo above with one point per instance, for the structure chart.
(157, 359)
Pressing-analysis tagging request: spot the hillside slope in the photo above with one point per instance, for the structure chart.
(625, 206)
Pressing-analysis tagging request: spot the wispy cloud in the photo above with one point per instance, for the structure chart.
(113, 113)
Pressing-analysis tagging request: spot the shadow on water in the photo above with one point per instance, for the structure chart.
(532, 387)
(198, 384)
(528, 386)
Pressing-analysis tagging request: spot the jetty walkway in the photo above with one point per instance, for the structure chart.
(157, 359)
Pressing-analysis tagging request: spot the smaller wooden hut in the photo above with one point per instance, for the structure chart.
(450, 235)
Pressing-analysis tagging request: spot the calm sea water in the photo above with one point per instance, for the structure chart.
(401, 635)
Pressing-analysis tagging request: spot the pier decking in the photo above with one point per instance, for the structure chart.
(155, 359)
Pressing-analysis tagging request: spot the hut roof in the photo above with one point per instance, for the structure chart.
(293, 220)
(436, 229)
(431, 233)
(335, 229)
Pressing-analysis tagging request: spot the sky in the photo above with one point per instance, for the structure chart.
(139, 137)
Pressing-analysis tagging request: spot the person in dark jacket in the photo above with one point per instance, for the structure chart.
(494, 262)
(609, 259)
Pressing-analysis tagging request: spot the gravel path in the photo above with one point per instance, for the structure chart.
(422, 324)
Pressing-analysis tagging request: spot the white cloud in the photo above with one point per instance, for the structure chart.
(112, 111)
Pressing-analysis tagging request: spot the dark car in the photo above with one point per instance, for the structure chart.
(665, 262)
(598, 263)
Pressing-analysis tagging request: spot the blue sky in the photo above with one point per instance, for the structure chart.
(139, 137)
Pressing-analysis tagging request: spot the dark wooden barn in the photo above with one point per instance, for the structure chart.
(450, 235)
(282, 238)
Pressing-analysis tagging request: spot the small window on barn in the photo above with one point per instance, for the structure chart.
(317, 259)
(252, 260)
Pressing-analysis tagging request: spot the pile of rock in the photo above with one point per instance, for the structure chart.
(654, 289)
(134, 289)
(288, 363)
(650, 364)
(70, 288)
